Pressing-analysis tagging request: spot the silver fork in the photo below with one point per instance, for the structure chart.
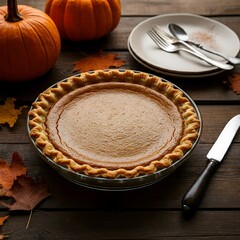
(168, 47)
(171, 39)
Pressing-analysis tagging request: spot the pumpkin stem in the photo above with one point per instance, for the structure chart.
(13, 14)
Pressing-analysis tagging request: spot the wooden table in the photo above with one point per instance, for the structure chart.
(75, 212)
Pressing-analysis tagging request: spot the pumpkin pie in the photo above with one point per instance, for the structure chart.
(113, 123)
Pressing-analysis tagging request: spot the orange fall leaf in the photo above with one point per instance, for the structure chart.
(4, 192)
(27, 193)
(3, 237)
(8, 113)
(3, 219)
(8, 173)
(98, 61)
(234, 82)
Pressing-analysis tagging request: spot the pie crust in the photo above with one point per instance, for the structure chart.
(113, 123)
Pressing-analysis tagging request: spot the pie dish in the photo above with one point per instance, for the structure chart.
(114, 124)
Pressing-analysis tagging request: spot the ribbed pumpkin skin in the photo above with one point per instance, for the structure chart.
(82, 20)
(30, 47)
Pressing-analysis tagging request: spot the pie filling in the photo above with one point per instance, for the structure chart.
(113, 123)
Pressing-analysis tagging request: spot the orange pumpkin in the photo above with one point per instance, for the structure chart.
(29, 42)
(81, 20)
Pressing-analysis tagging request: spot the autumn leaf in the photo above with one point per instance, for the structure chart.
(4, 193)
(8, 113)
(3, 219)
(3, 237)
(8, 173)
(27, 193)
(234, 82)
(98, 61)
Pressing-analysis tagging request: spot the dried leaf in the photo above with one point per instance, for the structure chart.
(27, 193)
(3, 237)
(2, 220)
(8, 113)
(8, 173)
(234, 82)
(23, 190)
(98, 61)
(4, 193)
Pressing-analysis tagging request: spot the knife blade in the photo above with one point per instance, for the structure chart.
(216, 154)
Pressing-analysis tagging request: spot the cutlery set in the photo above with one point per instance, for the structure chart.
(180, 34)
(179, 41)
(145, 43)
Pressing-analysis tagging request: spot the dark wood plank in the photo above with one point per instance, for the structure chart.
(201, 89)
(155, 7)
(118, 38)
(220, 13)
(124, 225)
(166, 194)
(154, 212)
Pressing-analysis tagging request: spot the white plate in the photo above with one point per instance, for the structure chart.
(171, 73)
(208, 32)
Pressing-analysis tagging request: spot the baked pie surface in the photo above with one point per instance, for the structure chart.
(114, 123)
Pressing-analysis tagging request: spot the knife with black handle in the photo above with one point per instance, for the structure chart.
(193, 196)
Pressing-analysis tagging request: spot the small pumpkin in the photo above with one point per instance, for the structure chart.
(82, 20)
(29, 44)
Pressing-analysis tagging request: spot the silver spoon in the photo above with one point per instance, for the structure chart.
(169, 47)
(180, 34)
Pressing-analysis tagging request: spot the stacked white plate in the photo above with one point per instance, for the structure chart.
(209, 33)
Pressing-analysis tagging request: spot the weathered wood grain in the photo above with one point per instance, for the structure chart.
(209, 89)
(141, 225)
(155, 7)
(166, 194)
(76, 212)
